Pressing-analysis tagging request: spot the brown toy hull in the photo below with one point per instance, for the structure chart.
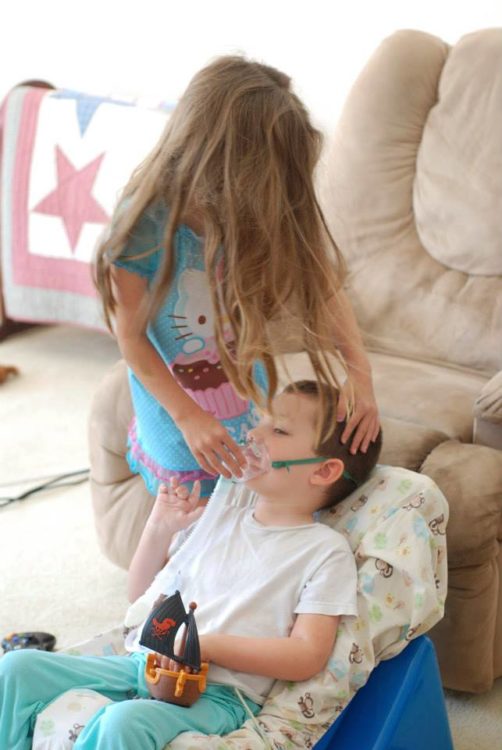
(181, 688)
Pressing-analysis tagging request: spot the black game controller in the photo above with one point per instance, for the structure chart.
(41, 641)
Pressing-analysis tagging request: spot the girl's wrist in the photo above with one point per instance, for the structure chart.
(360, 368)
(360, 378)
(185, 410)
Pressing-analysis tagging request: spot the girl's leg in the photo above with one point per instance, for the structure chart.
(151, 724)
(29, 680)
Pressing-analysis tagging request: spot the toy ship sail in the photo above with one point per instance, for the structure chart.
(160, 631)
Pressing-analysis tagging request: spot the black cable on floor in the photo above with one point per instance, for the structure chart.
(82, 474)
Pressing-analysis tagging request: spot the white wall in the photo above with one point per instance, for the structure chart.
(151, 48)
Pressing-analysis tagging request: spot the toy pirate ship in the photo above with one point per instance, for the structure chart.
(184, 683)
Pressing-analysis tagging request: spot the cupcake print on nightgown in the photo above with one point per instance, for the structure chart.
(197, 368)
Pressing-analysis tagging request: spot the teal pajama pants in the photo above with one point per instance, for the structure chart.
(30, 680)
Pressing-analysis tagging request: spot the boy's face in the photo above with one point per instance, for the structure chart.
(289, 434)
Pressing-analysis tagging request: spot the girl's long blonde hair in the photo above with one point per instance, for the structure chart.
(240, 151)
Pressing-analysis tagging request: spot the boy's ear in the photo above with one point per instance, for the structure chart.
(328, 472)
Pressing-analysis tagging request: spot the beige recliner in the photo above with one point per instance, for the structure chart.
(413, 195)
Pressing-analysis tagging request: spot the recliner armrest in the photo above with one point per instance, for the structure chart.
(488, 414)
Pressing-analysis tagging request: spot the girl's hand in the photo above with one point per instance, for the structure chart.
(364, 424)
(175, 507)
(213, 448)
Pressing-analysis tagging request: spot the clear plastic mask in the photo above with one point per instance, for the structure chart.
(257, 460)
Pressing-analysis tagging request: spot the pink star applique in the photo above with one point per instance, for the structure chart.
(72, 199)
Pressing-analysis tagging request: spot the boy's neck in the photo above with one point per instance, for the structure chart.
(276, 513)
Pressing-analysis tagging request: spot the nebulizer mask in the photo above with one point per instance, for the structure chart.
(258, 462)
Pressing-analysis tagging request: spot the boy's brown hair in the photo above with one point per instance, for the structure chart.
(358, 466)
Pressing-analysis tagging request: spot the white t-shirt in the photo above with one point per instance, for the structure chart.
(251, 580)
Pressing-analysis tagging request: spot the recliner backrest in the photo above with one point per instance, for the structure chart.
(413, 195)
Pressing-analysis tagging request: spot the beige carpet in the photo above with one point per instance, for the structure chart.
(52, 574)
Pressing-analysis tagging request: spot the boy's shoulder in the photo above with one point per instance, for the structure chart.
(333, 537)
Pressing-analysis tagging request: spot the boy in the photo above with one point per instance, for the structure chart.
(270, 584)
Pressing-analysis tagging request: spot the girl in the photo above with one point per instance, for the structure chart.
(217, 234)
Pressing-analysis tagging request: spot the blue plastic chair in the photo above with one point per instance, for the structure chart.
(401, 707)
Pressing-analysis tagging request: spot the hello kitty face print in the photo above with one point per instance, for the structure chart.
(193, 313)
(197, 366)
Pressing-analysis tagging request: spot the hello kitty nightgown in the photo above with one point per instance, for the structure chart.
(183, 335)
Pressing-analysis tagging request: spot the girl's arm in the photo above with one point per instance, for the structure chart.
(298, 657)
(175, 509)
(364, 422)
(207, 439)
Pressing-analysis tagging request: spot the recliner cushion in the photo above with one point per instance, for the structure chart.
(457, 195)
(438, 398)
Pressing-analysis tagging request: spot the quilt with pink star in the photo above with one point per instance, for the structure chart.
(65, 157)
